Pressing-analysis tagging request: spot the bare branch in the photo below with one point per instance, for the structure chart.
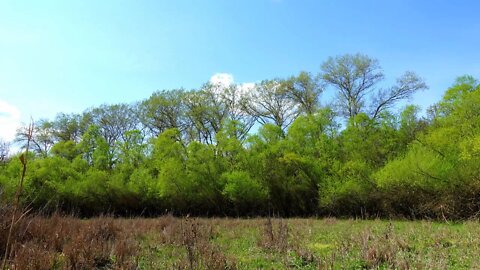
(406, 86)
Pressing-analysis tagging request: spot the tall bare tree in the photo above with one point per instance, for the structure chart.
(41, 138)
(4, 151)
(356, 77)
(231, 99)
(269, 102)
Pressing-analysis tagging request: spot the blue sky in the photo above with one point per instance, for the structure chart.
(66, 56)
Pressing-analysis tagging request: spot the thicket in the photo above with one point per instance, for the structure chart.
(274, 147)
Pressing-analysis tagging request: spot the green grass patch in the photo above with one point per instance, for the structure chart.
(317, 243)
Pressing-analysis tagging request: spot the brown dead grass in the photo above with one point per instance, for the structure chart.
(65, 242)
(167, 242)
(68, 243)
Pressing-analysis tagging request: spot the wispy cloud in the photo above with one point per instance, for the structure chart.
(9, 120)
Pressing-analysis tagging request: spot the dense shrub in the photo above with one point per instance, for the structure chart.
(191, 152)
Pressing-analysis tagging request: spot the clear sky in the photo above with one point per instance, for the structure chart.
(66, 56)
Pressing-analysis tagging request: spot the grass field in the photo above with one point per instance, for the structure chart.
(227, 243)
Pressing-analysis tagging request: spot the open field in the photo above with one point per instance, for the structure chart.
(227, 243)
(225, 135)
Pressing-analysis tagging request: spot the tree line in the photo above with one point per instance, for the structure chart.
(272, 147)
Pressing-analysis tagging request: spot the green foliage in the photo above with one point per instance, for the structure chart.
(203, 173)
(190, 151)
(441, 165)
(246, 193)
(65, 149)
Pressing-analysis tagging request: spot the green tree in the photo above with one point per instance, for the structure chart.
(169, 169)
(67, 127)
(95, 149)
(440, 165)
(66, 149)
(305, 90)
(164, 110)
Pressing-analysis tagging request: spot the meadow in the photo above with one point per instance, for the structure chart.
(253, 134)
(212, 153)
(168, 242)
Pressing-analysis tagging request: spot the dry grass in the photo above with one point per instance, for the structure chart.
(275, 235)
(65, 242)
(69, 243)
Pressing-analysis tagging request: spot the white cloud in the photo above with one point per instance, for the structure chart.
(223, 79)
(226, 80)
(226, 89)
(9, 121)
